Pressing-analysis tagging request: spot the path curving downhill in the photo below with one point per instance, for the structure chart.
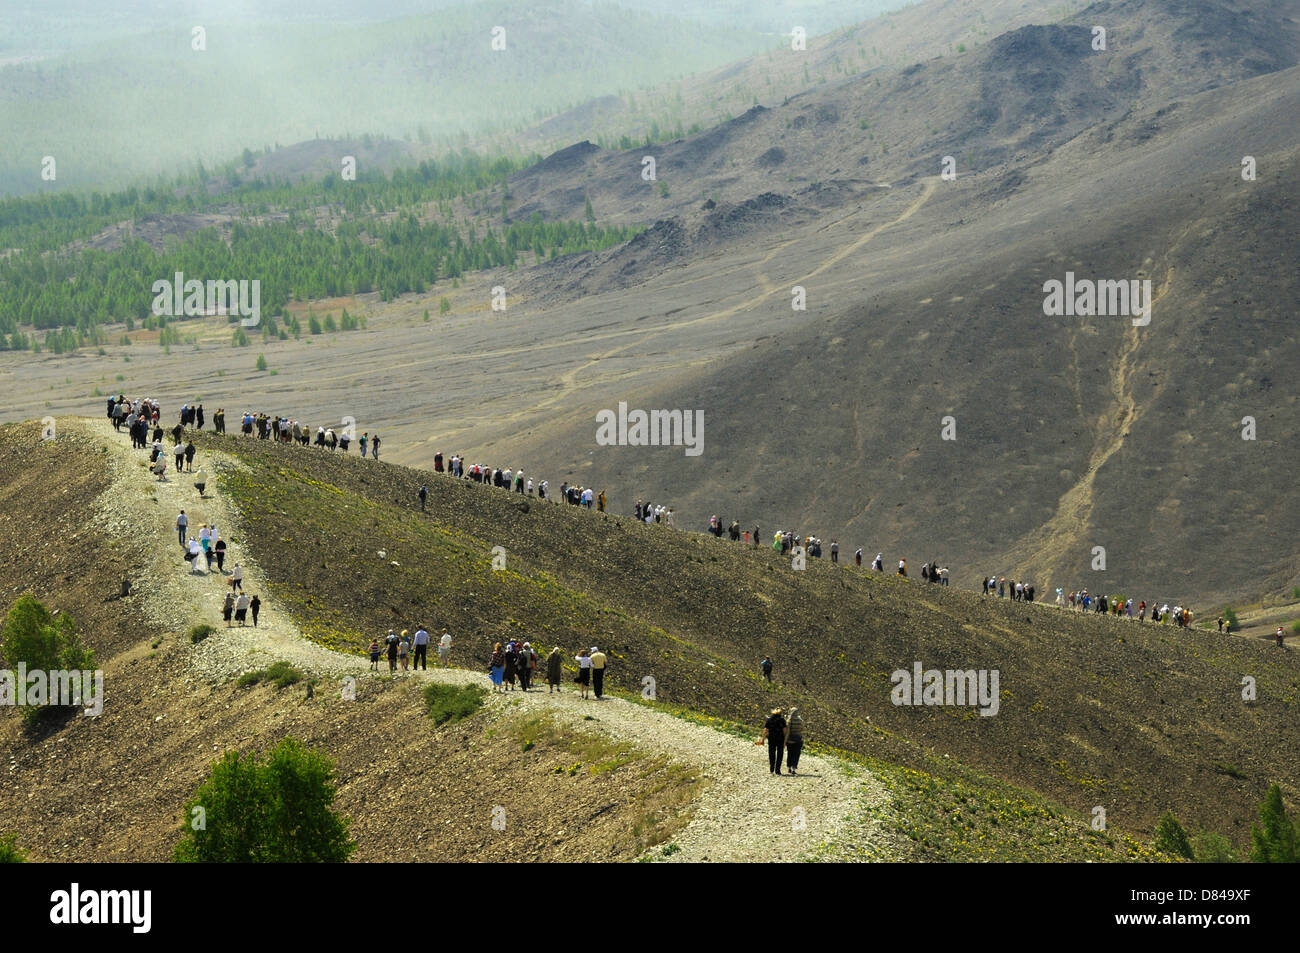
(744, 814)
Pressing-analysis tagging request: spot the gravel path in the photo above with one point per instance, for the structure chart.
(745, 814)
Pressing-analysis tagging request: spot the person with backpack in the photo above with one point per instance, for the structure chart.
(774, 735)
(793, 739)
(392, 650)
(766, 666)
(423, 494)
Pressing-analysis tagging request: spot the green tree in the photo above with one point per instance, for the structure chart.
(588, 212)
(261, 362)
(313, 324)
(443, 307)
(276, 811)
(42, 640)
(1171, 838)
(1274, 840)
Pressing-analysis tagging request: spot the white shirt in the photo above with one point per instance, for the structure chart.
(445, 641)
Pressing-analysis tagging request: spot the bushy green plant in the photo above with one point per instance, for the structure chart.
(277, 811)
(1171, 837)
(10, 852)
(200, 632)
(448, 704)
(43, 640)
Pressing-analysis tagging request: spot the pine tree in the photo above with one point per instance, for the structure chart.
(1274, 841)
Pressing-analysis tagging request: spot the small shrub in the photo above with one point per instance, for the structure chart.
(1212, 848)
(10, 852)
(198, 633)
(261, 362)
(448, 704)
(281, 674)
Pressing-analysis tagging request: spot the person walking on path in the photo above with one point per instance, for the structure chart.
(255, 607)
(598, 672)
(404, 649)
(241, 608)
(392, 650)
(774, 735)
(374, 655)
(182, 524)
(421, 659)
(228, 608)
(512, 659)
(219, 550)
(497, 668)
(584, 670)
(237, 578)
(444, 648)
(835, 550)
(189, 456)
(526, 664)
(554, 668)
(793, 739)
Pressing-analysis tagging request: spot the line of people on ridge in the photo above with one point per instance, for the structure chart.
(516, 660)
(409, 651)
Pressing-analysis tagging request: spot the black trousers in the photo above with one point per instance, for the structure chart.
(795, 747)
(421, 656)
(598, 680)
(775, 751)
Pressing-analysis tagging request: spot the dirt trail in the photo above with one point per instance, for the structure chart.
(745, 814)
(1051, 545)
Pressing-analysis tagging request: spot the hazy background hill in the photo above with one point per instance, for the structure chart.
(924, 301)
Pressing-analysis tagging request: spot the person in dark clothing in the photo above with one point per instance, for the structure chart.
(189, 455)
(392, 650)
(255, 606)
(774, 735)
(512, 657)
(793, 739)
(424, 494)
(766, 666)
(220, 551)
